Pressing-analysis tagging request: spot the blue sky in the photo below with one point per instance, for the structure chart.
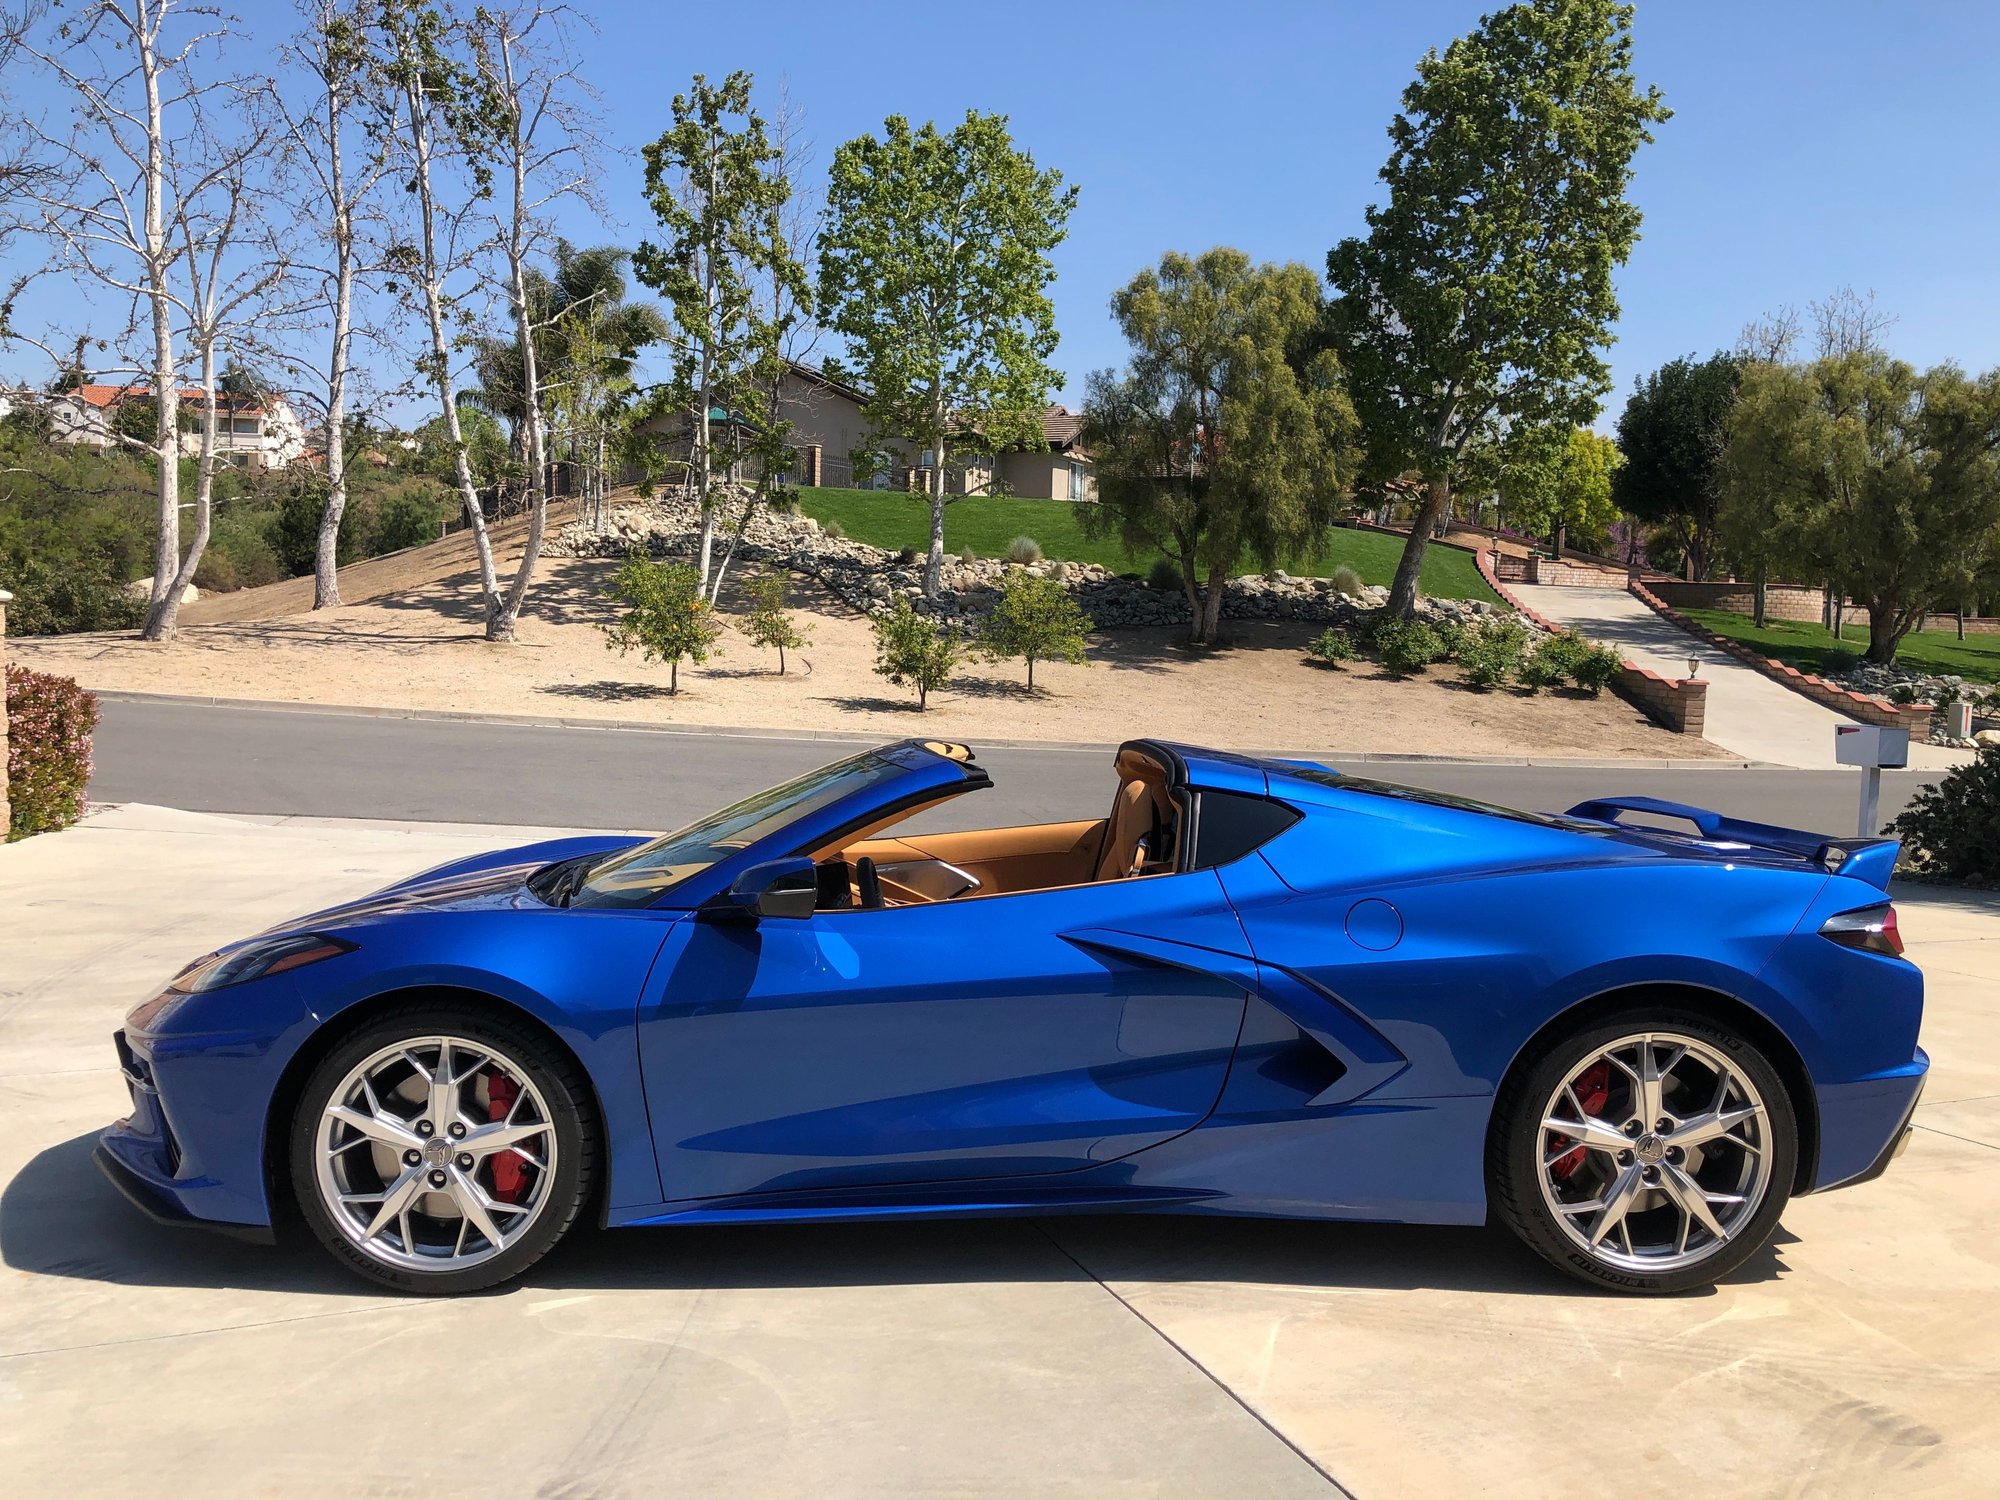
(1814, 145)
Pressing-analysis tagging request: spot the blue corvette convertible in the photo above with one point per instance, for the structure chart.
(1260, 987)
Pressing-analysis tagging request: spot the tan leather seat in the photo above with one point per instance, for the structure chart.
(1134, 815)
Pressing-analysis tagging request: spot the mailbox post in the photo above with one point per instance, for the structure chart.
(1874, 749)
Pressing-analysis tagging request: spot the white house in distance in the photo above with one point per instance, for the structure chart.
(250, 431)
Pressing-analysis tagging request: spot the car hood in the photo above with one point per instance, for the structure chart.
(478, 883)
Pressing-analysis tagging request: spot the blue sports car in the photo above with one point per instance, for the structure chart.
(1631, 1031)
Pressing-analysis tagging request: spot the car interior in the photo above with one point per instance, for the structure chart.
(878, 866)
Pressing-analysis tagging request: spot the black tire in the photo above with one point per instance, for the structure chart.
(571, 1114)
(1515, 1146)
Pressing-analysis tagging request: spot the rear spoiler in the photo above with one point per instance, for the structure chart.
(1872, 860)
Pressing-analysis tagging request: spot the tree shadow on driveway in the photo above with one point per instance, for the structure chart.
(59, 1217)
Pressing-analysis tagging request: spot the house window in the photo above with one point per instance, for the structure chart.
(245, 426)
(1079, 480)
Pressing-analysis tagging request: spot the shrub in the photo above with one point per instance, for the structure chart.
(406, 517)
(1453, 638)
(1036, 620)
(1332, 647)
(1598, 669)
(831, 527)
(1024, 550)
(666, 617)
(1554, 660)
(68, 592)
(48, 750)
(239, 554)
(1952, 829)
(770, 623)
(968, 556)
(1346, 581)
(906, 556)
(1164, 577)
(1494, 654)
(1407, 646)
(294, 533)
(914, 650)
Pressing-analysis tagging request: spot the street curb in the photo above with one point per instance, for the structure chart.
(865, 737)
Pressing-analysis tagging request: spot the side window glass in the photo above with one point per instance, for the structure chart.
(1229, 825)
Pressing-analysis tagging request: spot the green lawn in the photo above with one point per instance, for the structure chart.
(1812, 648)
(987, 525)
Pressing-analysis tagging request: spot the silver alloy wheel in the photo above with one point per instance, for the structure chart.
(1654, 1152)
(435, 1154)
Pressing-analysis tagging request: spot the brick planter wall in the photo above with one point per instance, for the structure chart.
(1915, 717)
(1681, 706)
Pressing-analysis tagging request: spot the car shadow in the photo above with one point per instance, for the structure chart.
(60, 1217)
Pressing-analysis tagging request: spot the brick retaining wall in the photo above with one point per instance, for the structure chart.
(1782, 601)
(1915, 717)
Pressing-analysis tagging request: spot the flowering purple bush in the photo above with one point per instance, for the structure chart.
(49, 720)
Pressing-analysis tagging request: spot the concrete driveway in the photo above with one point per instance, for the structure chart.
(1748, 713)
(1091, 1357)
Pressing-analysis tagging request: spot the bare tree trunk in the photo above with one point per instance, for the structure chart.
(164, 606)
(1761, 592)
(326, 553)
(934, 563)
(1409, 571)
(204, 488)
(440, 346)
(1211, 606)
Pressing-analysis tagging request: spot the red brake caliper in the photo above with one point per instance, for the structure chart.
(1592, 1089)
(510, 1173)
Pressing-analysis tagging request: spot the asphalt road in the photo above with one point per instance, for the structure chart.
(212, 759)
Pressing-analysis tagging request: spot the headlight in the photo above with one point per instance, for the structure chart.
(256, 960)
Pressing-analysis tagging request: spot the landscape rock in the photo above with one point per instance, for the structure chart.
(871, 578)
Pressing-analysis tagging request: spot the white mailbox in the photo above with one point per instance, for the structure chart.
(1874, 749)
(1871, 745)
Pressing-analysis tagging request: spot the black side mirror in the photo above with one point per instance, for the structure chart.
(777, 888)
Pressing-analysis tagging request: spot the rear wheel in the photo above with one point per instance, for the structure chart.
(439, 1150)
(1649, 1152)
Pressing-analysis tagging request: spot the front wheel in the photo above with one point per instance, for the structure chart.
(439, 1150)
(1647, 1152)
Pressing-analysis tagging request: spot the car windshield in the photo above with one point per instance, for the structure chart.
(638, 876)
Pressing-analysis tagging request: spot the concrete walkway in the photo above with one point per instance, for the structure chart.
(1129, 1356)
(1748, 713)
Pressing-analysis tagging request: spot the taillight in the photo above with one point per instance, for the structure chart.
(1872, 929)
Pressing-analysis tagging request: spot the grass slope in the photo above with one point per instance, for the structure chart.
(1812, 648)
(987, 524)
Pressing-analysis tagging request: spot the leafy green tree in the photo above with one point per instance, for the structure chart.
(1867, 473)
(1559, 486)
(715, 182)
(914, 650)
(934, 266)
(770, 623)
(1035, 620)
(1480, 301)
(666, 618)
(1214, 442)
(1671, 433)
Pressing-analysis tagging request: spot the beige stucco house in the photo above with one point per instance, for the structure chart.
(828, 428)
